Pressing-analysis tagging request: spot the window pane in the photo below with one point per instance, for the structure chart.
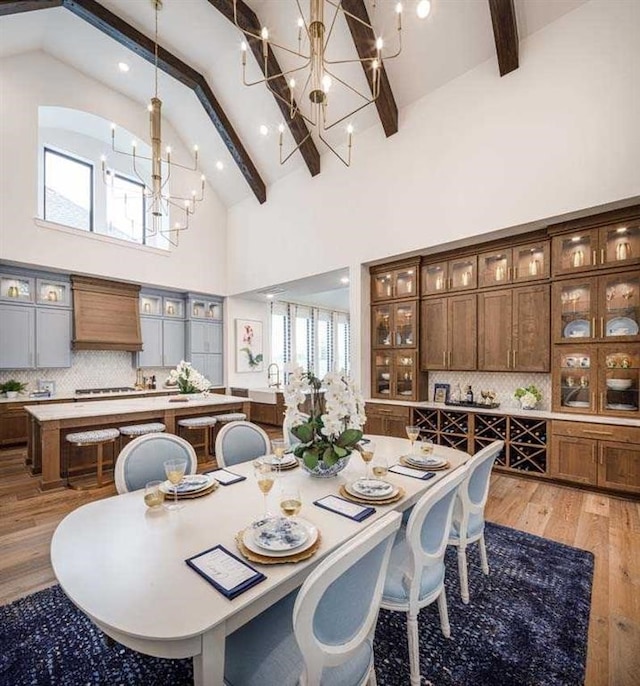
(302, 343)
(343, 352)
(278, 339)
(125, 209)
(67, 190)
(324, 343)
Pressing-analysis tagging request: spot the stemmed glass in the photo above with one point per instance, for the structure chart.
(366, 454)
(412, 433)
(380, 466)
(175, 469)
(263, 472)
(290, 500)
(278, 445)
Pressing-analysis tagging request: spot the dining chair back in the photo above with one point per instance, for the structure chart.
(322, 634)
(415, 577)
(468, 514)
(239, 442)
(143, 460)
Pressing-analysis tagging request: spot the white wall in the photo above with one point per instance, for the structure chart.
(481, 153)
(241, 308)
(33, 79)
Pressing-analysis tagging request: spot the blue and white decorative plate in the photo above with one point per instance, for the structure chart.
(578, 328)
(191, 483)
(279, 533)
(425, 460)
(371, 488)
(249, 539)
(622, 326)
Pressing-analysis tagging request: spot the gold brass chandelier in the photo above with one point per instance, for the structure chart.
(313, 39)
(160, 205)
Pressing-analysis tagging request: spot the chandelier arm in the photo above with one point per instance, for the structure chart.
(286, 159)
(333, 22)
(350, 14)
(137, 173)
(282, 74)
(355, 90)
(347, 116)
(346, 162)
(166, 181)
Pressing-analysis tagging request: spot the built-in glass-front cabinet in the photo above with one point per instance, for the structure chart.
(395, 284)
(449, 276)
(395, 325)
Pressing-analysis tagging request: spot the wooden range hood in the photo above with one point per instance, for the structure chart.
(106, 315)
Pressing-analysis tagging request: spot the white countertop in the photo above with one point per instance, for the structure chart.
(129, 405)
(514, 411)
(25, 399)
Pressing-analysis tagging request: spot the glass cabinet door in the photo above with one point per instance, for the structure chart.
(404, 325)
(574, 252)
(405, 283)
(531, 261)
(382, 374)
(381, 325)
(434, 278)
(51, 292)
(621, 369)
(494, 268)
(214, 310)
(574, 304)
(620, 244)
(382, 286)
(199, 309)
(404, 376)
(463, 274)
(150, 305)
(173, 307)
(576, 379)
(619, 297)
(16, 288)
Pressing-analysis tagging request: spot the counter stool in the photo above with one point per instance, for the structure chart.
(225, 419)
(99, 438)
(128, 433)
(197, 423)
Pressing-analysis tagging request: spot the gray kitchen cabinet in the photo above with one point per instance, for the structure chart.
(204, 345)
(210, 366)
(17, 337)
(151, 353)
(173, 337)
(53, 338)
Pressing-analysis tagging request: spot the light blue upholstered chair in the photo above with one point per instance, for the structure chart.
(467, 525)
(415, 577)
(238, 442)
(143, 460)
(322, 634)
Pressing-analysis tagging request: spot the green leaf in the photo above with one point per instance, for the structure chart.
(310, 457)
(349, 437)
(303, 432)
(339, 451)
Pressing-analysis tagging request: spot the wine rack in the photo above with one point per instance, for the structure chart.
(444, 427)
(487, 429)
(528, 444)
(427, 420)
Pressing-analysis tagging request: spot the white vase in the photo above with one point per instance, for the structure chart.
(527, 405)
(11, 394)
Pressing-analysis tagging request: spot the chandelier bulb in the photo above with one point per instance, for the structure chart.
(168, 149)
(379, 44)
(103, 158)
(149, 107)
(203, 179)
(264, 34)
(399, 8)
(300, 22)
(113, 127)
(281, 128)
(292, 83)
(195, 149)
(423, 9)
(243, 46)
(375, 64)
(350, 129)
(326, 83)
(133, 144)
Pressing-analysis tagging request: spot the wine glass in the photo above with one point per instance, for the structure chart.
(263, 472)
(278, 446)
(175, 469)
(366, 453)
(380, 465)
(426, 446)
(412, 433)
(290, 500)
(153, 495)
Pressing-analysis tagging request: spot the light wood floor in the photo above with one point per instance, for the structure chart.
(609, 527)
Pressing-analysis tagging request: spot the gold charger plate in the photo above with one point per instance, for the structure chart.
(441, 468)
(268, 560)
(366, 501)
(197, 494)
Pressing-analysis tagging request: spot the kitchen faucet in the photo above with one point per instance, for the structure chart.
(269, 374)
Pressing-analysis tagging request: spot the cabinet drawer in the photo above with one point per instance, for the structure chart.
(603, 432)
(391, 411)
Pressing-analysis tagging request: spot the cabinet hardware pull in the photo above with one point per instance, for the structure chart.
(514, 358)
(602, 261)
(450, 282)
(444, 358)
(593, 327)
(601, 459)
(593, 401)
(597, 433)
(515, 273)
(508, 273)
(601, 402)
(508, 359)
(601, 327)
(450, 356)
(594, 258)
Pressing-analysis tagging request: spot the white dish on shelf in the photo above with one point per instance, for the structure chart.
(578, 328)
(619, 384)
(577, 403)
(622, 326)
(621, 406)
(385, 376)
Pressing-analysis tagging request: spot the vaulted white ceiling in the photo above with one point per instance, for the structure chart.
(456, 37)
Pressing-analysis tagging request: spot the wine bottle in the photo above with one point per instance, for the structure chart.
(469, 396)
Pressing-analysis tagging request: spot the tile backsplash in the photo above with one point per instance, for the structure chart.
(503, 383)
(90, 369)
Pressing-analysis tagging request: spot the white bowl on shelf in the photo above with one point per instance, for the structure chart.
(619, 384)
(385, 376)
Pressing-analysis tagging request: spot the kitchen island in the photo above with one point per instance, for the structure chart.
(50, 423)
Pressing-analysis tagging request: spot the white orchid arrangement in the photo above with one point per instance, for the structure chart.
(334, 426)
(188, 379)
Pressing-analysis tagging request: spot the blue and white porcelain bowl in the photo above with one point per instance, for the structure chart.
(323, 471)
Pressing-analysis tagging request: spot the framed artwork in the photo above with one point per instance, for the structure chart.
(249, 354)
(441, 392)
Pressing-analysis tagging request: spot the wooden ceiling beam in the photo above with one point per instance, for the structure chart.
(505, 33)
(18, 6)
(365, 42)
(249, 21)
(116, 28)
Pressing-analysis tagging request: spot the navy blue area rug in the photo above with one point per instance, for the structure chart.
(526, 625)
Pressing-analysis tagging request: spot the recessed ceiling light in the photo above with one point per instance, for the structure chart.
(123, 67)
(270, 296)
(423, 8)
(219, 165)
(264, 129)
(344, 279)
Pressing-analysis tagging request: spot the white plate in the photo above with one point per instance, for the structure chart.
(312, 537)
(578, 328)
(424, 460)
(620, 406)
(286, 461)
(622, 326)
(619, 384)
(371, 489)
(191, 483)
(577, 403)
(279, 534)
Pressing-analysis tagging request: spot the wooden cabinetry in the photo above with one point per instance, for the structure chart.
(597, 455)
(387, 420)
(528, 262)
(395, 325)
(513, 329)
(449, 333)
(395, 282)
(460, 274)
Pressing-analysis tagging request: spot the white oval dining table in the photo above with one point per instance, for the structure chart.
(123, 565)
